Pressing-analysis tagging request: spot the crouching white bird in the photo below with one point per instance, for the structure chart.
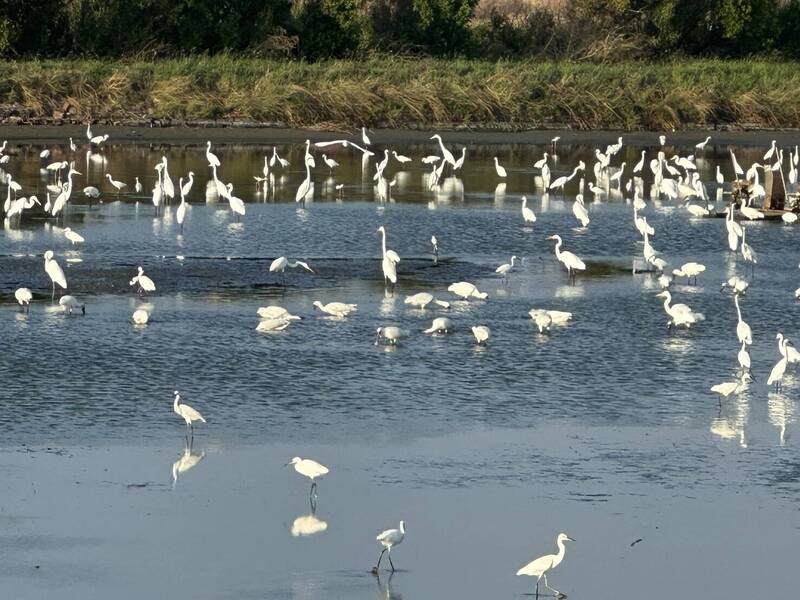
(24, 296)
(440, 325)
(275, 324)
(689, 270)
(336, 309)
(391, 334)
(481, 333)
(276, 312)
(389, 539)
(70, 303)
(140, 316)
(465, 290)
(540, 567)
(280, 264)
(309, 468)
(186, 412)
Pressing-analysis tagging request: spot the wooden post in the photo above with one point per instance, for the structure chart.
(775, 191)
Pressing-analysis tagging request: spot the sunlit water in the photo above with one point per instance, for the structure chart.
(605, 428)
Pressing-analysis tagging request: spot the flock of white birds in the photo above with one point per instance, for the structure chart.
(673, 178)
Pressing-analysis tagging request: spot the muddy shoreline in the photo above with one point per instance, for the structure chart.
(242, 132)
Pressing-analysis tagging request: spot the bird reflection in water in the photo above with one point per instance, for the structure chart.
(781, 413)
(188, 460)
(310, 524)
(385, 591)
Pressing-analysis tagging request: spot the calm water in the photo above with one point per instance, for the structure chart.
(604, 429)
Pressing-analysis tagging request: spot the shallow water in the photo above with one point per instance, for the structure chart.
(605, 428)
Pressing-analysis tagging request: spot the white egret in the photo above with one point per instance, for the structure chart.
(446, 154)
(70, 303)
(54, 271)
(743, 332)
(557, 317)
(187, 187)
(276, 312)
(391, 334)
(542, 320)
(568, 259)
(481, 333)
(689, 270)
(400, 158)
(541, 566)
(144, 282)
(779, 370)
(389, 539)
(737, 284)
(117, 185)
(278, 324)
(499, 169)
(140, 316)
(420, 300)
(431, 159)
(236, 204)
(637, 168)
(435, 244)
(460, 162)
(305, 186)
(743, 357)
(186, 412)
(280, 264)
(680, 314)
(336, 309)
(309, 468)
(73, 236)
(389, 260)
(789, 218)
(580, 211)
(364, 137)
(212, 159)
(772, 149)
(331, 164)
(748, 254)
(727, 388)
(137, 186)
(72, 146)
(99, 140)
(24, 296)
(702, 144)
(440, 325)
(506, 268)
(541, 162)
(528, 215)
(466, 290)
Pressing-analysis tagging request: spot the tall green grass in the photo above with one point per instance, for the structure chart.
(399, 92)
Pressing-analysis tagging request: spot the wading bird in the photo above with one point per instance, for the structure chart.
(389, 539)
(541, 566)
(309, 468)
(186, 412)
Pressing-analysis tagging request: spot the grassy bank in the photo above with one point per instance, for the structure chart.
(396, 92)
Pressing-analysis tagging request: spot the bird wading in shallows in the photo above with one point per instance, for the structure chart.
(311, 469)
(388, 539)
(538, 568)
(186, 412)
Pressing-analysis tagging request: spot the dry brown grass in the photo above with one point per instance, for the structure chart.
(398, 92)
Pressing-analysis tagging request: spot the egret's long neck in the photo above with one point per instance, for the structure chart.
(383, 241)
(785, 348)
(561, 551)
(176, 402)
(738, 310)
(667, 300)
(403, 528)
(558, 249)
